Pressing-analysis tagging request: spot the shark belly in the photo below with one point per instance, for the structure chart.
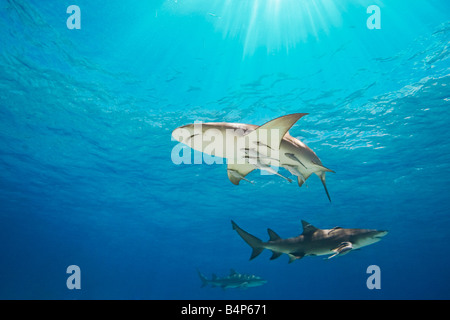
(307, 248)
(215, 142)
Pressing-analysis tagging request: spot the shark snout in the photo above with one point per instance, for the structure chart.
(183, 133)
(369, 237)
(377, 235)
(380, 234)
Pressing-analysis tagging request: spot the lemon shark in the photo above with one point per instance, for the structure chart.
(248, 147)
(312, 242)
(233, 280)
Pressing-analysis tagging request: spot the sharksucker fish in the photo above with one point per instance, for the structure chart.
(248, 147)
(312, 242)
(233, 280)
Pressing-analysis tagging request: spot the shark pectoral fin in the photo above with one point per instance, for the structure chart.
(298, 255)
(271, 133)
(301, 181)
(237, 172)
(295, 256)
(275, 255)
(342, 248)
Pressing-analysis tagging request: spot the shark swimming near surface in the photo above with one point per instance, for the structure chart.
(233, 280)
(312, 242)
(248, 147)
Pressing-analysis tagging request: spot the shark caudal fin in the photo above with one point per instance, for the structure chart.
(203, 278)
(322, 178)
(253, 241)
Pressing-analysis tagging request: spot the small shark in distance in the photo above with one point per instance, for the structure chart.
(234, 280)
(312, 242)
(248, 147)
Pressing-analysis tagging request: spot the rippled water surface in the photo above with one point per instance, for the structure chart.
(87, 179)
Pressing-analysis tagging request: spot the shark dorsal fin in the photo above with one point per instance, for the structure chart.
(308, 228)
(273, 236)
(282, 124)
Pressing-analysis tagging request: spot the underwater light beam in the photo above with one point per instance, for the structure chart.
(276, 24)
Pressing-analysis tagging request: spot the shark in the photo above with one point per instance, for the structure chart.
(233, 280)
(248, 147)
(313, 241)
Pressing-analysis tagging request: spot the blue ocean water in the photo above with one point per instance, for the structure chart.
(86, 117)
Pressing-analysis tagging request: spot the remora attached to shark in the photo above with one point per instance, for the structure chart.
(248, 147)
(234, 280)
(312, 242)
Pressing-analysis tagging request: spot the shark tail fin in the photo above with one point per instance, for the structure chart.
(252, 241)
(203, 278)
(322, 178)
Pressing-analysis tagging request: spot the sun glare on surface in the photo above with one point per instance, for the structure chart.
(276, 24)
(271, 24)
